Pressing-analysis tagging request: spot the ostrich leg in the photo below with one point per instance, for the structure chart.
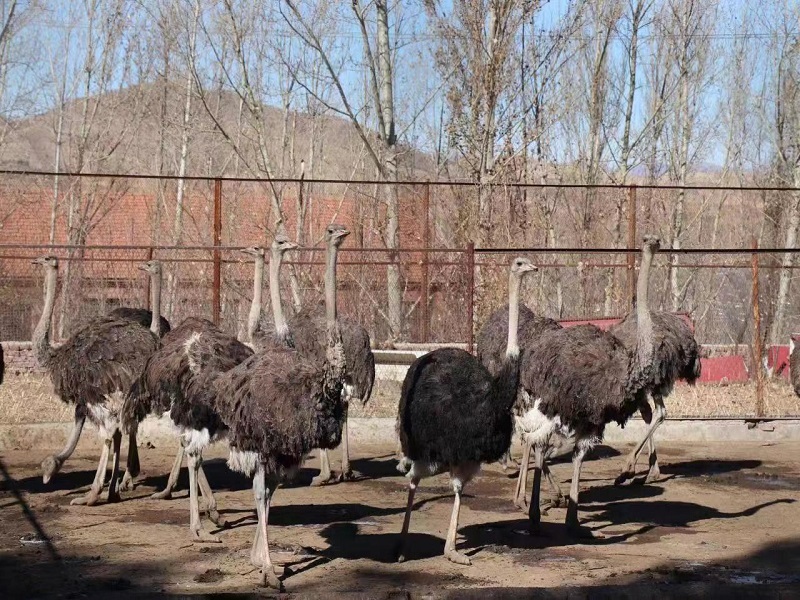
(172, 481)
(534, 510)
(630, 466)
(557, 500)
(325, 475)
(208, 496)
(347, 472)
(196, 528)
(259, 555)
(113, 491)
(132, 466)
(573, 525)
(401, 548)
(522, 478)
(52, 464)
(450, 551)
(91, 497)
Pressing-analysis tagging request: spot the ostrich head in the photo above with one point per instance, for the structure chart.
(335, 234)
(651, 243)
(50, 466)
(255, 251)
(522, 265)
(151, 267)
(282, 244)
(48, 262)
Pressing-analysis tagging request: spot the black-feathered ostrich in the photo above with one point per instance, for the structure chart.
(279, 405)
(93, 370)
(491, 348)
(142, 316)
(454, 414)
(307, 331)
(170, 384)
(676, 355)
(794, 365)
(574, 381)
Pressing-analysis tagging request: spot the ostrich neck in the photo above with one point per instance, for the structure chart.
(155, 304)
(335, 348)
(41, 335)
(644, 323)
(275, 293)
(255, 305)
(330, 286)
(512, 346)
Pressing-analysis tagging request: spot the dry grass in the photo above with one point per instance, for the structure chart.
(29, 398)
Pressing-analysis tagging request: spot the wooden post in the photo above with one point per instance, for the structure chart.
(632, 244)
(757, 349)
(425, 287)
(215, 300)
(470, 260)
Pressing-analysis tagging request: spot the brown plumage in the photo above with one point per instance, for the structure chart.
(279, 405)
(93, 370)
(794, 366)
(142, 316)
(576, 380)
(676, 356)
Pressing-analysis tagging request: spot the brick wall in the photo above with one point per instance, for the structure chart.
(19, 358)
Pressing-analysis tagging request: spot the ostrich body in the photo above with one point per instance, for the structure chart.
(142, 316)
(93, 370)
(306, 330)
(794, 366)
(576, 380)
(279, 405)
(676, 355)
(454, 414)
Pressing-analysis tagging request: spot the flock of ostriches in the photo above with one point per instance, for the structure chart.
(286, 392)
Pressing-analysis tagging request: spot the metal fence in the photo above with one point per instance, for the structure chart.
(101, 226)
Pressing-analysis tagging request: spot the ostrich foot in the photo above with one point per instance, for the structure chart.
(165, 494)
(113, 497)
(403, 465)
(557, 502)
(270, 579)
(654, 474)
(216, 518)
(627, 473)
(457, 557)
(349, 475)
(88, 499)
(323, 479)
(127, 484)
(522, 504)
(202, 536)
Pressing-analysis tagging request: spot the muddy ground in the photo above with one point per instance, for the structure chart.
(722, 521)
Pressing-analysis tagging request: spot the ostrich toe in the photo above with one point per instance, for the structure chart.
(457, 557)
(165, 494)
(202, 536)
(88, 499)
(216, 518)
(270, 579)
(127, 484)
(323, 479)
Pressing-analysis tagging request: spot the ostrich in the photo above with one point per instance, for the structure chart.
(490, 348)
(167, 385)
(576, 380)
(279, 335)
(279, 405)
(794, 366)
(307, 331)
(454, 414)
(52, 464)
(676, 355)
(93, 370)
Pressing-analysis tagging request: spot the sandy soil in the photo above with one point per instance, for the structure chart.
(723, 520)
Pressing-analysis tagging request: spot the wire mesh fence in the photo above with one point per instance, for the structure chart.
(434, 286)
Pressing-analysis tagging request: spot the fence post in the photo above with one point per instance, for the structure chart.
(215, 302)
(426, 200)
(471, 295)
(758, 351)
(632, 244)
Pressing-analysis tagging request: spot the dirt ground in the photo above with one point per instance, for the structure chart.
(722, 521)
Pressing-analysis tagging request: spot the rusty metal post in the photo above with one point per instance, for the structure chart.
(632, 244)
(425, 291)
(758, 351)
(470, 260)
(215, 301)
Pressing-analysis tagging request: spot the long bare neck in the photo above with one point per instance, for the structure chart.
(644, 321)
(255, 306)
(335, 349)
(41, 335)
(512, 346)
(275, 261)
(155, 303)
